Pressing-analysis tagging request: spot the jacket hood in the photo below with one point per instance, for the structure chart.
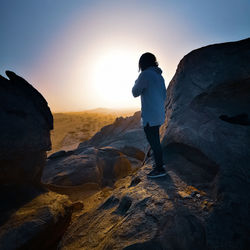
(156, 69)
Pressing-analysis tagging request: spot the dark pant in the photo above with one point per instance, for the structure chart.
(153, 137)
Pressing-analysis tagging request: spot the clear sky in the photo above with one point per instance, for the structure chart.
(83, 54)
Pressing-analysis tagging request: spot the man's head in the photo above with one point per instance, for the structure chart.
(147, 60)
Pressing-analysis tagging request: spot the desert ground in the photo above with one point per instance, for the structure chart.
(71, 128)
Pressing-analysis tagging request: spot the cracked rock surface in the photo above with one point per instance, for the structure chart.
(149, 213)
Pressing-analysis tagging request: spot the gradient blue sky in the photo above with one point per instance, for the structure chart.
(84, 54)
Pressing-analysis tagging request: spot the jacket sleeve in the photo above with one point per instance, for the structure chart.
(140, 84)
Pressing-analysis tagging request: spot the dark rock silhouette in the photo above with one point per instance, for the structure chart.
(31, 216)
(26, 122)
(203, 203)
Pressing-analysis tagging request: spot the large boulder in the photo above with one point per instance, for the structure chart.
(208, 103)
(102, 166)
(72, 170)
(208, 122)
(25, 127)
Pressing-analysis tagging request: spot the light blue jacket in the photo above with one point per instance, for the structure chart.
(151, 87)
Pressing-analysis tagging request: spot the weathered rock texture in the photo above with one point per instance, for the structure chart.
(164, 213)
(208, 122)
(203, 203)
(30, 216)
(112, 153)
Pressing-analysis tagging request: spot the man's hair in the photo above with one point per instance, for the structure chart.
(147, 60)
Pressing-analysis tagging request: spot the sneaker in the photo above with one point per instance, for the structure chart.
(155, 173)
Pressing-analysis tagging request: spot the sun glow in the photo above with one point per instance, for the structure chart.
(113, 78)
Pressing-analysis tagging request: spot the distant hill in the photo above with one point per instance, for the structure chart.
(113, 111)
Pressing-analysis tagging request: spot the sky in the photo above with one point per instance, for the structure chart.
(84, 54)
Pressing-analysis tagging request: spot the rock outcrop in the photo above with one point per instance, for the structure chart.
(25, 127)
(31, 216)
(208, 122)
(203, 203)
(112, 153)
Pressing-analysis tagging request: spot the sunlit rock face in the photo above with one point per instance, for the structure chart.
(31, 217)
(112, 153)
(25, 127)
(203, 202)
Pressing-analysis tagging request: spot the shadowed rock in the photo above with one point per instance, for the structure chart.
(31, 217)
(208, 105)
(25, 127)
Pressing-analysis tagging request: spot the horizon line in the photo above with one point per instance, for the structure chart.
(100, 108)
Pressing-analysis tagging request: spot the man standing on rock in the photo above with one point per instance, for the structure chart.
(151, 87)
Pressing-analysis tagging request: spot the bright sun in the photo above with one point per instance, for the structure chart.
(113, 77)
